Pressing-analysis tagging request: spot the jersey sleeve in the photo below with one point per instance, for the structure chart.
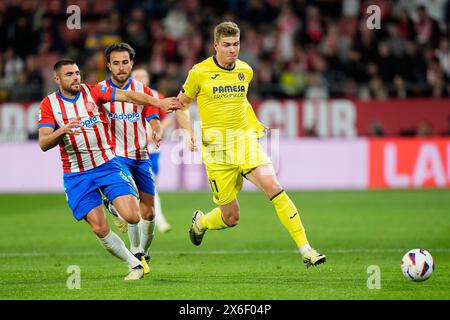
(191, 87)
(46, 118)
(250, 72)
(150, 112)
(102, 93)
(161, 113)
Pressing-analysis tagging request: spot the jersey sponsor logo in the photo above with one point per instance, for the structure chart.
(223, 92)
(131, 117)
(89, 123)
(228, 89)
(215, 76)
(104, 88)
(241, 76)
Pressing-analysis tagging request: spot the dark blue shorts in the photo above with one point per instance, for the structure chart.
(154, 159)
(83, 188)
(141, 172)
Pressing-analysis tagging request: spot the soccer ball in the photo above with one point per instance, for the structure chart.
(417, 265)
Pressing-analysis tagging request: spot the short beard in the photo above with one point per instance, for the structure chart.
(122, 83)
(72, 91)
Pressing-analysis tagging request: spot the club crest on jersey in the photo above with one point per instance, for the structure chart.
(90, 106)
(241, 76)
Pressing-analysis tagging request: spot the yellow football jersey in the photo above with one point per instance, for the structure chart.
(222, 96)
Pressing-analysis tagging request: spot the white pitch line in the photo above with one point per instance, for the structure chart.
(217, 252)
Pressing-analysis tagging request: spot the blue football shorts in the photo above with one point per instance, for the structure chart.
(83, 189)
(154, 159)
(141, 172)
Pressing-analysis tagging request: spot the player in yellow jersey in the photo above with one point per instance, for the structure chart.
(230, 147)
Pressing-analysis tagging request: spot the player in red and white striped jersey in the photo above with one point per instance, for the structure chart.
(90, 147)
(128, 122)
(128, 128)
(74, 119)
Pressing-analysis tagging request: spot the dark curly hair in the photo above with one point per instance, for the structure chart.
(119, 47)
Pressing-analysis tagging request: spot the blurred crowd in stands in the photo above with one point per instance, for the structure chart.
(423, 129)
(297, 48)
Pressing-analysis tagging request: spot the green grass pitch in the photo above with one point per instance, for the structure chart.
(39, 240)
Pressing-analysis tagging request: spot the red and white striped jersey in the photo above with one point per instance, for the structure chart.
(128, 122)
(93, 146)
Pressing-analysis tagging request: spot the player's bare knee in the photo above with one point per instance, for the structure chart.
(147, 208)
(148, 215)
(133, 218)
(131, 211)
(273, 190)
(131, 215)
(100, 230)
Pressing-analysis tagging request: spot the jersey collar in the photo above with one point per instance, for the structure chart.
(217, 64)
(125, 87)
(67, 99)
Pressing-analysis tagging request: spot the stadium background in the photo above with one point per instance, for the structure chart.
(350, 107)
(319, 72)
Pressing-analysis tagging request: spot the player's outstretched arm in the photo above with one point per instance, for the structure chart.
(167, 104)
(49, 137)
(184, 119)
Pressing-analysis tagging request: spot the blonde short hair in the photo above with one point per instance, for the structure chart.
(226, 29)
